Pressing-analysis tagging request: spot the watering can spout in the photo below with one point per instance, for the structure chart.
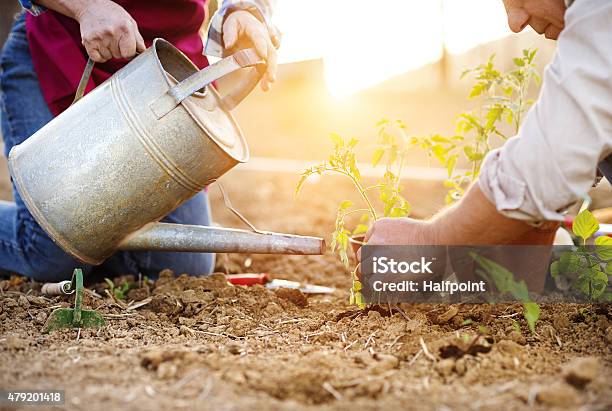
(194, 238)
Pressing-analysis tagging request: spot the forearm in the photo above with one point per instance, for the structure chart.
(70, 8)
(551, 163)
(474, 220)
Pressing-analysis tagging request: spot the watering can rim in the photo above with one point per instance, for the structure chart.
(188, 103)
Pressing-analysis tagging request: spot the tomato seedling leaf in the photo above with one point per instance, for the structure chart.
(585, 225)
(532, 314)
(603, 247)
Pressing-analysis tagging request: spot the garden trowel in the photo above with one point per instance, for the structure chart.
(74, 317)
(274, 284)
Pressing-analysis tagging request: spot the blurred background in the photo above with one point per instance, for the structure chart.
(347, 64)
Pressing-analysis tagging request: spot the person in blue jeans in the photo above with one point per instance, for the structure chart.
(25, 248)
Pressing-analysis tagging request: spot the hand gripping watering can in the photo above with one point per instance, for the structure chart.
(100, 176)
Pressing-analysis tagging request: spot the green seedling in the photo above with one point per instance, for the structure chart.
(472, 344)
(390, 152)
(466, 322)
(506, 284)
(484, 330)
(119, 292)
(503, 99)
(585, 312)
(587, 268)
(517, 327)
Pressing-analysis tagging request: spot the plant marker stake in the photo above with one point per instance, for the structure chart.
(74, 317)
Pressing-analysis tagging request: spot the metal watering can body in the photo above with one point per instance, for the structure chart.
(99, 176)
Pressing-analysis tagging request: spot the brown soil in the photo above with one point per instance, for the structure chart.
(200, 343)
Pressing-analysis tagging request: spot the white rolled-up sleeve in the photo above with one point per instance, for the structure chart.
(552, 162)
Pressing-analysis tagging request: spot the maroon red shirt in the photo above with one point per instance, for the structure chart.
(59, 57)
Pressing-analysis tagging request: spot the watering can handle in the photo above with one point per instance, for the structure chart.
(167, 102)
(84, 80)
(241, 59)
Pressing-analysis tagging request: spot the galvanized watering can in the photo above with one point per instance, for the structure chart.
(100, 176)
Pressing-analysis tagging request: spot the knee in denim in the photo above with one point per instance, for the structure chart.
(50, 263)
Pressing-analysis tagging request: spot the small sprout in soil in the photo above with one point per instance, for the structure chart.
(517, 327)
(480, 343)
(585, 313)
(120, 292)
(144, 281)
(467, 321)
(506, 284)
(484, 330)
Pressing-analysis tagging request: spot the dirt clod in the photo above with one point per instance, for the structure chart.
(12, 342)
(581, 371)
(295, 296)
(137, 294)
(558, 394)
(384, 362)
(166, 370)
(561, 322)
(23, 302)
(517, 337)
(41, 317)
(448, 315)
(165, 304)
(509, 347)
(461, 366)
(456, 347)
(445, 367)
(235, 349)
(189, 296)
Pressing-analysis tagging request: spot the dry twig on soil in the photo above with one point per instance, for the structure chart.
(425, 350)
